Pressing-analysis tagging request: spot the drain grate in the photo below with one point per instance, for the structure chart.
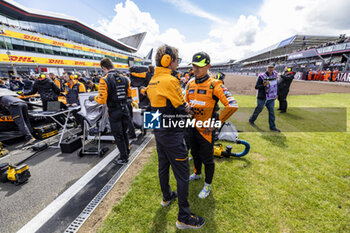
(83, 216)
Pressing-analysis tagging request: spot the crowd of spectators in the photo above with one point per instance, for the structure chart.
(342, 39)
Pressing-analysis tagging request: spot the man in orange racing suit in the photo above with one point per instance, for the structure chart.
(114, 89)
(165, 94)
(203, 94)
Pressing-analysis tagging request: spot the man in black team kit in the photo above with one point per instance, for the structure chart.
(114, 89)
(47, 89)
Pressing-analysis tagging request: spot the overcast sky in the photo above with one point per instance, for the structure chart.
(226, 29)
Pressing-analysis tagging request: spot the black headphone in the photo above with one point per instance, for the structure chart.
(167, 57)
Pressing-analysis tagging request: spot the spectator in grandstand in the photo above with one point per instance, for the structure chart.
(266, 84)
(283, 85)
(165, 95)
(47, 89)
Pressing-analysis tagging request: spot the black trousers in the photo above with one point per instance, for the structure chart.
(202, 153)
(172, 152)
(282, 102)
(131, 123)
(188, 133)
(19, 113)
(119, 120)
(78, 118)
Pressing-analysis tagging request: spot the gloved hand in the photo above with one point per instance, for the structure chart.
(92, 98)
(134, 104)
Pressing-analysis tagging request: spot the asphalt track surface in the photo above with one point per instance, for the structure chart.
(52, 172)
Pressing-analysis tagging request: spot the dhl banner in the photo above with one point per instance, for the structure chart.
(23, 36)
(49, 61)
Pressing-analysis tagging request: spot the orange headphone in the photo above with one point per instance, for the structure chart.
(167, 57)
(72, 77)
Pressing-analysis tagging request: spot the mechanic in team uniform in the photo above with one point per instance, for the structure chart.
(165, 94)
(72, 89)
(47, 89)
(114, 89)
(203, 94)
(19, 113)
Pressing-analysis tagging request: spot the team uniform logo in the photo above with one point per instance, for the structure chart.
(191, 91)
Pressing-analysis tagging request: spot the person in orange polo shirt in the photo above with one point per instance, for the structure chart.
(203, 94)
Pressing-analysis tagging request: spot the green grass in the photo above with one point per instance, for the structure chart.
(289, 182)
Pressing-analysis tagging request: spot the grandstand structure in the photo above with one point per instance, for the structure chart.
(39, 41)
(303, 52)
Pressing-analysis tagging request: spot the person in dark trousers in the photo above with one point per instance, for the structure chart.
(114, 89)
(19, 113)
(283, 84)
(132, 134)
(165, 95)
(47, 89)
(203, 94)
(266, 84)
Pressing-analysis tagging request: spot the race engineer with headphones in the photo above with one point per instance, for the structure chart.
(114, 89)
(165, 94)
(203, 94)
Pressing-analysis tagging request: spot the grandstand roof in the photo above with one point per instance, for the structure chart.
(20, 12)
(134, 40)
(287, 46)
